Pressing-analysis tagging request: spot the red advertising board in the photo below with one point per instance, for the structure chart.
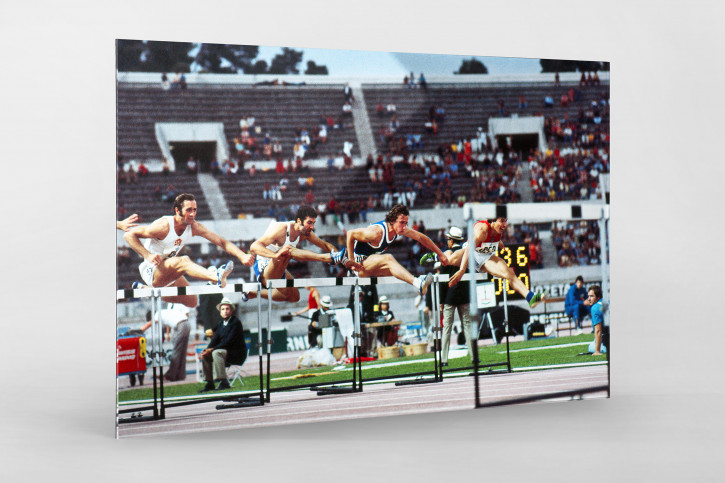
(130, 355)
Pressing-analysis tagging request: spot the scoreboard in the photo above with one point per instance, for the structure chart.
(516, 257)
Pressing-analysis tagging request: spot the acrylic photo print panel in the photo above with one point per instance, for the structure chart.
(291, 229)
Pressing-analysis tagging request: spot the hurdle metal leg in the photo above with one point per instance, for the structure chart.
(435, 314)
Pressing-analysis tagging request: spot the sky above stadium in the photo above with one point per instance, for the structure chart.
(370, 63)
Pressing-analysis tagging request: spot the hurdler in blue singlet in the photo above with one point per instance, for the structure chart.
(363, 250)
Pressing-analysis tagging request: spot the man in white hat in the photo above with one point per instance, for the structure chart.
(226, 347)
(314, 332)
(454, 298)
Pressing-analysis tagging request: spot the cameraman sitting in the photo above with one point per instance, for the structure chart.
(314, 331)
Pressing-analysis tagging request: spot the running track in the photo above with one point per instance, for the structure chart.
(386, 399)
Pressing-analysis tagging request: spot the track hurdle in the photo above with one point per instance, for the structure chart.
(535, 213)
(356, 384)
(157, 353)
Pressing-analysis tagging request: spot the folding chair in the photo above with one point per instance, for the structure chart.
(235, 372)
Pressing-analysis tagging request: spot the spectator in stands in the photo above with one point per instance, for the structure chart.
(165, 81)
(142, 170)
(522, 102)
(130, 171)
(191, 165)
(170, 193)
(391, 108)
(347, 109)
(405, 81)
(422, 82)
(556, 80)
(347, 148)
(214, 167)
(182, 81)
(165, 168)
(309, 197)
(501, 107)
(322, 211)
(226, 347)
(380, 109)
(347, 91)
(548, 101)
(574, 304)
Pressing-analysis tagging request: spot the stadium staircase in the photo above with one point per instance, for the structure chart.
(214, 197)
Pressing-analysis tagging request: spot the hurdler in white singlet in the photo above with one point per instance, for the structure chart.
(169, 247)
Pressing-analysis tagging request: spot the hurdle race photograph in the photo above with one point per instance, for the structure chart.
(295, 226)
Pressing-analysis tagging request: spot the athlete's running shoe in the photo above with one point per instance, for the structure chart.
(537, 299)
(245, 297)
(425, 281)
(429, 259)
(136, 285)
(338, 257)
(224, 271)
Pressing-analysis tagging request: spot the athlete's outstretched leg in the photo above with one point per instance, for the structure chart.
(386, 265)
(172, 268)
(498, 268)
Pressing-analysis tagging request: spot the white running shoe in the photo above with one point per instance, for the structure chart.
(425, 281)
(223, 272)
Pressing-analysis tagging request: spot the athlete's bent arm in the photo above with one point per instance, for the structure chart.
(158, 229)
(223, 243)
(271, 236)
(369, 234)
(319, 242)
(456, 277)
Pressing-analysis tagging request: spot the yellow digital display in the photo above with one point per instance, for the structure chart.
(516, 257)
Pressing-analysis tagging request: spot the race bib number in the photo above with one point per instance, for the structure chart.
(488, 248)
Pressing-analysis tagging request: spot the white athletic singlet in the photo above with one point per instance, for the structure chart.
(169, 247)
(261, 262)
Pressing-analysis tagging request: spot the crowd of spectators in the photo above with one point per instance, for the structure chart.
(576, 243)
(578, 152)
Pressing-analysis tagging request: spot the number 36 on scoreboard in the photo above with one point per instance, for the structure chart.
(516, 257)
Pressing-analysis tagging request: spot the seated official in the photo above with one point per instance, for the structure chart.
(387, 335)
(314, 331)
(226, 347)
